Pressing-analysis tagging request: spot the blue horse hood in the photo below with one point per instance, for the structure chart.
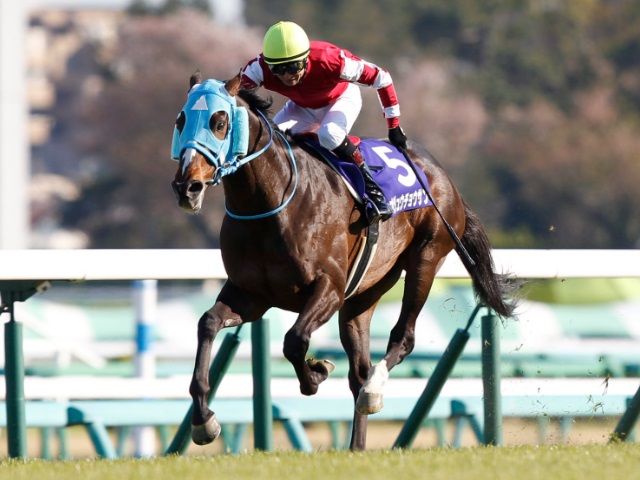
(203, 101)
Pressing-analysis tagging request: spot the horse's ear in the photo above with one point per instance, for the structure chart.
(195, 79)
(233, 85)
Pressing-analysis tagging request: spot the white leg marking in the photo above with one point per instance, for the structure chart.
(377, 378)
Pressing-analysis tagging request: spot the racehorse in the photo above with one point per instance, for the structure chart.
(291, 235)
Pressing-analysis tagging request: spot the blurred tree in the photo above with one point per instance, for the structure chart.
(562, 181)
(532, 106)
(125, 121)
(618, 35)
(371, 29)
(438, 113)
(521, 48)
(145, 7)
(534, 49)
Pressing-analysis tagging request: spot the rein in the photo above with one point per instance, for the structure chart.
(231, 167)
(227, 170)
(459, 246)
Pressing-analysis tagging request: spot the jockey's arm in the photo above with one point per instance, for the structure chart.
(365, 73)
(252, 75)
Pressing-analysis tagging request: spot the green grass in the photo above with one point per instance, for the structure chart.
(480, 463)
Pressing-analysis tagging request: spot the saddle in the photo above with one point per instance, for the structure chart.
(397, 180)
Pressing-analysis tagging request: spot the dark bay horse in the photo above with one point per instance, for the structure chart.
(291, 235)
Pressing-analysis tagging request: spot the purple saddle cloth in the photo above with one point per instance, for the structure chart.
(389, 169)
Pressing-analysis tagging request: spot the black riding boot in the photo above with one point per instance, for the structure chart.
(381, 209)
(378, 209)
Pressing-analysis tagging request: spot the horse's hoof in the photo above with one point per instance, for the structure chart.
(207, 433)
(369, 403)
(328, 366)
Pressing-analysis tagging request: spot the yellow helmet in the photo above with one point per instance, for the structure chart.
(285, 42)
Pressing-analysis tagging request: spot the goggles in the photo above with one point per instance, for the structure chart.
(291, 68)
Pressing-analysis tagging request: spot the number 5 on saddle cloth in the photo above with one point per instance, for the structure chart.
(389, 169)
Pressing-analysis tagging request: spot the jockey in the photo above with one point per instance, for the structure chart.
(321, 82)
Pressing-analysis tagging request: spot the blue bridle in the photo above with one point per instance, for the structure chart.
(194, 131)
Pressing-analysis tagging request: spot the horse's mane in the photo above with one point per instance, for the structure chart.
(256, 102)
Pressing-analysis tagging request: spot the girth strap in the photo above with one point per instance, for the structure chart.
(368, 245)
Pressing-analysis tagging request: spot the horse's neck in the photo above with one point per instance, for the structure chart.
(262, 184)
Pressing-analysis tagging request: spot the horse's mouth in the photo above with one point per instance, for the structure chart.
(188, 207)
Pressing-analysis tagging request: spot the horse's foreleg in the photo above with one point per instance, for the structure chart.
(205, 426)
(323, 302)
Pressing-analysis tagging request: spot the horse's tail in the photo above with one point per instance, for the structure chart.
(493, 290)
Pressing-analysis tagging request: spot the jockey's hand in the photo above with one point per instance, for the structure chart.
(397, 137)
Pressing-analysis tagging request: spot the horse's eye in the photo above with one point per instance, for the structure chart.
(217, 124)
(180, 121)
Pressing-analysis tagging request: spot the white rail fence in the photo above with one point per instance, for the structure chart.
(62, 339)
(22, 269)
(161, 264)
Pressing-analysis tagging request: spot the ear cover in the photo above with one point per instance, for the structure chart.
(240, 131)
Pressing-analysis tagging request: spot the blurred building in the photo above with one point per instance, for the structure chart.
(54, 31)
(14, 152)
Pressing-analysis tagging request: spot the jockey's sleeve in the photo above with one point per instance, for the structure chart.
(365, 73)
(252, 75)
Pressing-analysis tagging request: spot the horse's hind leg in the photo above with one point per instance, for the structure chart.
(418, 282)
(354, 335)
(232, 308)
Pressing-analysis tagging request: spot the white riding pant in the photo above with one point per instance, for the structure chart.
(331, 123)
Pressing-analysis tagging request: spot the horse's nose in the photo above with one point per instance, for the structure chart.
(195, 187)
(187, 189)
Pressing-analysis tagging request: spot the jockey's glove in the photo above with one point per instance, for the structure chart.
(397, 137)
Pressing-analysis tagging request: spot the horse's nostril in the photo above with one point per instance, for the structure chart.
(195, 187)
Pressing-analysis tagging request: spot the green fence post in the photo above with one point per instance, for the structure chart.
(11, 292)
(434, 385)
(238, 438)
(491, 380)
(432, 390)
(297, 435)
(629, 418)
(45, 442)
(100, 437)
(218, 368)
(261, 366)
(63, 439)
(14, 380)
